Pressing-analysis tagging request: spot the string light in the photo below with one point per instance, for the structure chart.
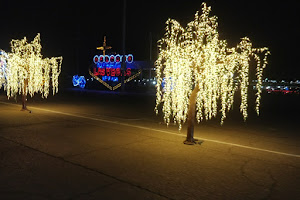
(195, 57)
(28, 72)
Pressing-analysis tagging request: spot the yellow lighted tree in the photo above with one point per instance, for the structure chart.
(28, 72)
(198, 75)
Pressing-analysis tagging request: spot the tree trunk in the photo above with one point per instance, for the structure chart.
(24, 97)
(191, 117)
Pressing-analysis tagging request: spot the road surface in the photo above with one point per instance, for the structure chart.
(81, 145)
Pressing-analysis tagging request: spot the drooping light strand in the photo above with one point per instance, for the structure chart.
(28, 72)
(195, 56)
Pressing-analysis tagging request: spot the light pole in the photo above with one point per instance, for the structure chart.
(123, 43)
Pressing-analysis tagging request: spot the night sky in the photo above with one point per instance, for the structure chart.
(74, 29)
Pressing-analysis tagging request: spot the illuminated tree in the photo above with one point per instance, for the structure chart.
(3, 69)
(28, 72)
(197, 74)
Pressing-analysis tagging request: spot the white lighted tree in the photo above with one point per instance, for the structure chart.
(28, 72)
(198, 75)
(3, 60)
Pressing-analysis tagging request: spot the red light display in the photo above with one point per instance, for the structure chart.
(118, 71)
(101, 58)
(112, 59)
(128, 72)
(106, 58)
(129, 58)
(102, 71)
(117, 59)
(111, 72)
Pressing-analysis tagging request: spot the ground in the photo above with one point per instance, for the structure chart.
(101, 145)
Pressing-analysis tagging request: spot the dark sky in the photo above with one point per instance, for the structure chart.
(74, 29)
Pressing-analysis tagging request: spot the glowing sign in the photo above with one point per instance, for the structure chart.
(108, 71)
(108, 67)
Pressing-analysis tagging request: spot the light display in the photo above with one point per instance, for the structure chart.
(79, 81)
(28, 72)
(194, 59)
(107, 68)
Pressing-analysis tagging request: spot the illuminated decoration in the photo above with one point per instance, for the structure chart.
(28, 72)
(114, 59)
(3, 68)
(104, 47)
(194, 63)
(107, 68)
(79, 81)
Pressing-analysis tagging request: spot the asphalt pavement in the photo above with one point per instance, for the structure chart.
(81, 145)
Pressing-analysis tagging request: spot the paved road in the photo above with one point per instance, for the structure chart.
(88, 150)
